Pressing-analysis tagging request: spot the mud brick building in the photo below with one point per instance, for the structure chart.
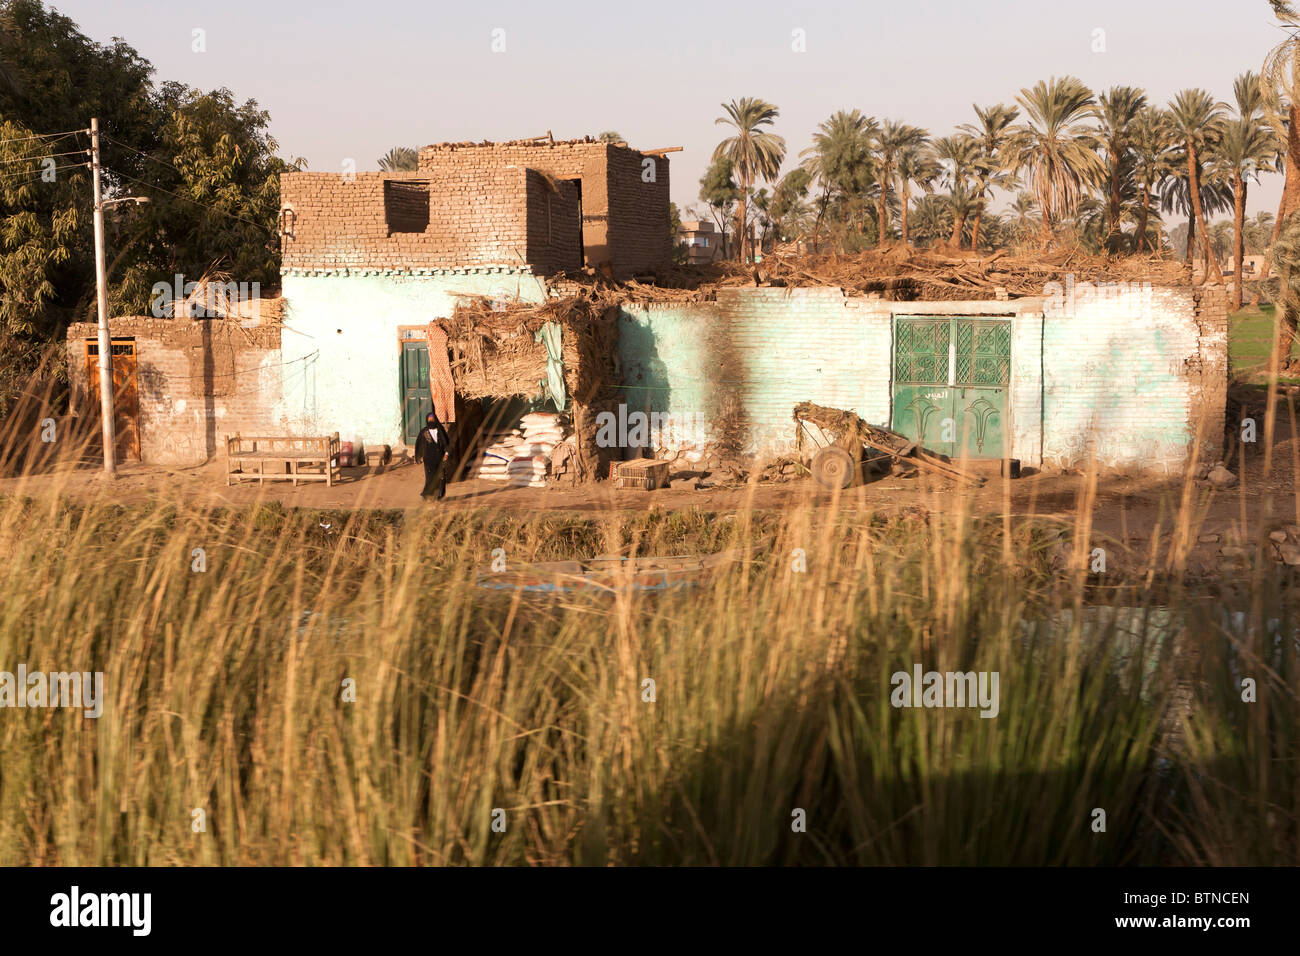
(369, 259)
(181, 384)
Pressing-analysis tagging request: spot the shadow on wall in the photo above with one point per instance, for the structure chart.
(646, 388)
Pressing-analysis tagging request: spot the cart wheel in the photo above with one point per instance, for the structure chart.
(833, 468)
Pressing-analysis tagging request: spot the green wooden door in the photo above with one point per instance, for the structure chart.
(950, 383)
(417, 400)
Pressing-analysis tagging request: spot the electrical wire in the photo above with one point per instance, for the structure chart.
(41, 159)
(219, 212)
(19, 139)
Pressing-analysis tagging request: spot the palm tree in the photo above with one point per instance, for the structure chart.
(1197, 121)
(840, 160)
(399, 159)
(1150, 139)
(1246, 147)
(754, 153)
(1054, 148)
(916, 164)
(1117, 112)
(891, 142)
(1024, 216)
(993, 133)
(959, 157)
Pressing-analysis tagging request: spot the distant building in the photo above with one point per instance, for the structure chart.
(1253, 267)
(702, 240)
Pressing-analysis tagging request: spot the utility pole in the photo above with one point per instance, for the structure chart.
(105, 342)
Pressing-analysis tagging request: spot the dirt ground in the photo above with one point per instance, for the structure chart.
(1128, 509)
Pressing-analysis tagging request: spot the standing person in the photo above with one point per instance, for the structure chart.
(431, 448)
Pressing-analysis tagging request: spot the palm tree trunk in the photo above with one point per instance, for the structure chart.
(1194, 184)
(882, 212)
(1045, 204)
(1143, 217)
(975, 226)
(906, 195)
(1239, 237)
(1112, 214)
(1287, 314)
(740, 223)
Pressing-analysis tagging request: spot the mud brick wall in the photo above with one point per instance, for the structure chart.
(554, 224)
(198, 380)
(383, 221)
(640, 225)
(625, 221)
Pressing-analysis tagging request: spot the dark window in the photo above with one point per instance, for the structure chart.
(406, 205)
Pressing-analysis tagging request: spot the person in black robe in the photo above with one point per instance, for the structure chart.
(431, 448)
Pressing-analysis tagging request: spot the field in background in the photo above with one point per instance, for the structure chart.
(1251, 334)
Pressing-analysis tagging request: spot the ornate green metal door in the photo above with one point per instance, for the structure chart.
(923, 400)
(951, 375)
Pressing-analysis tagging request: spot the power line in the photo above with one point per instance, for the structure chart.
(219, 212)
(19, 139)
(40, 175)
(160, 162)
(41, 159)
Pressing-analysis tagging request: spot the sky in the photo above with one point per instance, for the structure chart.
(348, 80)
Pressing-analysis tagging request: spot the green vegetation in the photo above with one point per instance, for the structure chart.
(1251, 333)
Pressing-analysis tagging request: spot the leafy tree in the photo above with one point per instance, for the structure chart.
(1118, 111)
(754, 153)
(400, 159)
(1054, 148)
(916, 164)
(1150, 142)
(609, 136)
(718, 191)
(840, 160)
(892, 140)
(1197, 123)
(959, 157)
(1247, 146)
(993, 134)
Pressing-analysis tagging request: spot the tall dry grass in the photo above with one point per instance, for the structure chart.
(224, 692)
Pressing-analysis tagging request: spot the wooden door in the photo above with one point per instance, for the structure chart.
(417, 399)
(126, 395)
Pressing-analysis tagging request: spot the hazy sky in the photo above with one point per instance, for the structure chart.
(350, 79)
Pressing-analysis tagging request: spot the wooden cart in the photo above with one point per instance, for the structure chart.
(838, 461)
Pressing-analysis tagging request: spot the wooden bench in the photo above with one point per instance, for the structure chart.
(246, 458)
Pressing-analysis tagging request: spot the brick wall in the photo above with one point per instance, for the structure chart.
(625, 220)
(381, 221)
(554, 226)
(1126, 378)
(198, 381)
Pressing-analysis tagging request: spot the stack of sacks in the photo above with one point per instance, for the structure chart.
(542, 431)
(528, 471)
(494, 462)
